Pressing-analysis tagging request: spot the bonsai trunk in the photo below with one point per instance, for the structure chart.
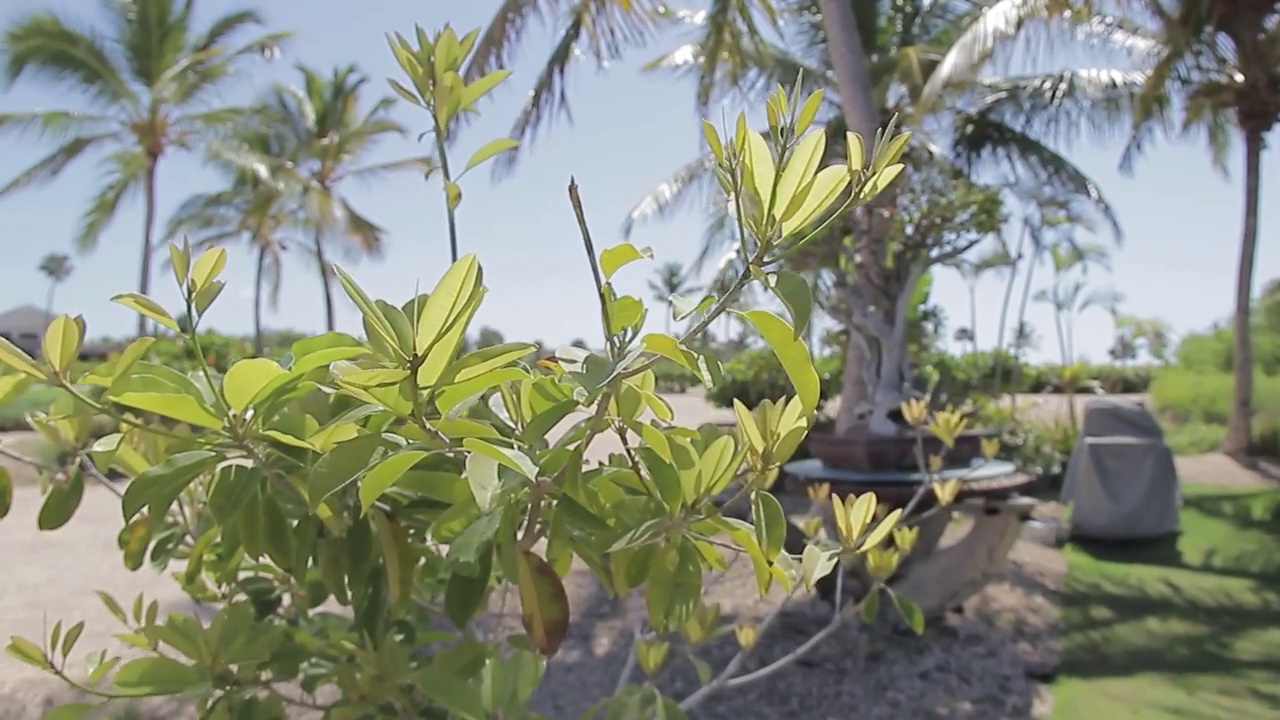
(886, 335)
(861, 115)
(1238, 437)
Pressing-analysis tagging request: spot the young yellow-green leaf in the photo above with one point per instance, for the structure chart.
(452, 194)
(247, 378)
(770, 523)
(382, 476)
(882, 530)
(670, 348)
(180, 407)
(476, 90)
(808, 111)
(881, 180)
(155, 675)
(13, 385)
(208, 267)
(682, 307)
(825, 189)
(513, 459)
(760, 168)
(134, 540)
(855, 150)
(15, 358)
(475, 364)
(747, 424)
(27, 651)
(490, 149)
(61, 502)
(794, 292)
(791, 352)
(147, 307)
(448, 300)
(799, 171)
(713, 141)
(815, 564)
(544, 605)
(61, 342)
(6, 492)
(615, 258)
(372, 316)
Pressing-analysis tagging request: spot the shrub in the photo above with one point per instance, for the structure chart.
(757, 375)
(1040, 448)
(671, 377)
(405, 480)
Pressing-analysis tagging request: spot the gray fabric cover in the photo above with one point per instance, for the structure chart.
(1121, 480)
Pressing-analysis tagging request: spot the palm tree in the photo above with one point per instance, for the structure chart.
(334, 132)
(149, 76)
(971, 271)
(670, 281)
(57, 267)
(256, 204)
(1215, 73)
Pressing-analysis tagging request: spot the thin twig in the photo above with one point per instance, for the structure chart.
(575, 199)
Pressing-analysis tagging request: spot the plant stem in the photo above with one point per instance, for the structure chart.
(450, 213)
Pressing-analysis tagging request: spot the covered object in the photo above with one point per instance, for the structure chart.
(1121, 480)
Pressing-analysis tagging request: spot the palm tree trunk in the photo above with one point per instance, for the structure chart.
(1238, 437)
(861, 115)
(326, 280)
(1002, 326)
(973, 317)
(1016, 377)
(148, 234)
(48, 297)
(258, 277)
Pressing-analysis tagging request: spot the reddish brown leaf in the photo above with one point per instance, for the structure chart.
(543, 603)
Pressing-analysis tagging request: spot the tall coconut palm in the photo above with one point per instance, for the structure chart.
(334, 131)
(255, 204)
(149, 77)
(1216, 75)
(971, 270)
(670, 280)
(57, 267)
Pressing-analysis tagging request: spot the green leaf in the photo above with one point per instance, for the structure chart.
(452, 194)
(61, 342)
(490, 149)
(794, 292)
(791, 352)
(482, 477)
(12, 385)
(62, 502)
(160, 485)
(464, 595)
(475, 364)
(26, 651)
(372, 316)
(151, 676)
(870, 605)
(615, 258)
(682, 307)
(815, 564)
(14, 357)
(770, 523)
(798, 173)
(398, 556)
(910, 612)
(809, 111)
(819, 195)
(208, 267)
(513, 459)
(246, 380)
(340, 466)
(544, 604)
(6, 492)
(447, 303)
(147, 307)
(70, 711)
(382, 476)
(175, 406)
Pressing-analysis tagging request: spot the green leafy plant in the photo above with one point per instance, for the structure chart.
(402, 480)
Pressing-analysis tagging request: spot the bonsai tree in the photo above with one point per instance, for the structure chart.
(406, 481)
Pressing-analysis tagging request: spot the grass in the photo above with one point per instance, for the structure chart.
(1178, 630)
(1193, 407)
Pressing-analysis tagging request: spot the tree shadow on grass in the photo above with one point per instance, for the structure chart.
(1187, 624)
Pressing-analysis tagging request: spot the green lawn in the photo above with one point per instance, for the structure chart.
(1190, 632)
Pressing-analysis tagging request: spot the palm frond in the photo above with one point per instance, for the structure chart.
(693, 181)
(45, 45)
(123, 173)
(48, 167)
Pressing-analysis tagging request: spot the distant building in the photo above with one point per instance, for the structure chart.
(24, 326)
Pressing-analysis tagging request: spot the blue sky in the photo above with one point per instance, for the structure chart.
(630, 130)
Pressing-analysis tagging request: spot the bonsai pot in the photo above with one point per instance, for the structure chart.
(862, 450)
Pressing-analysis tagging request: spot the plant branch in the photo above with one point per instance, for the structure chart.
(575, 199)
